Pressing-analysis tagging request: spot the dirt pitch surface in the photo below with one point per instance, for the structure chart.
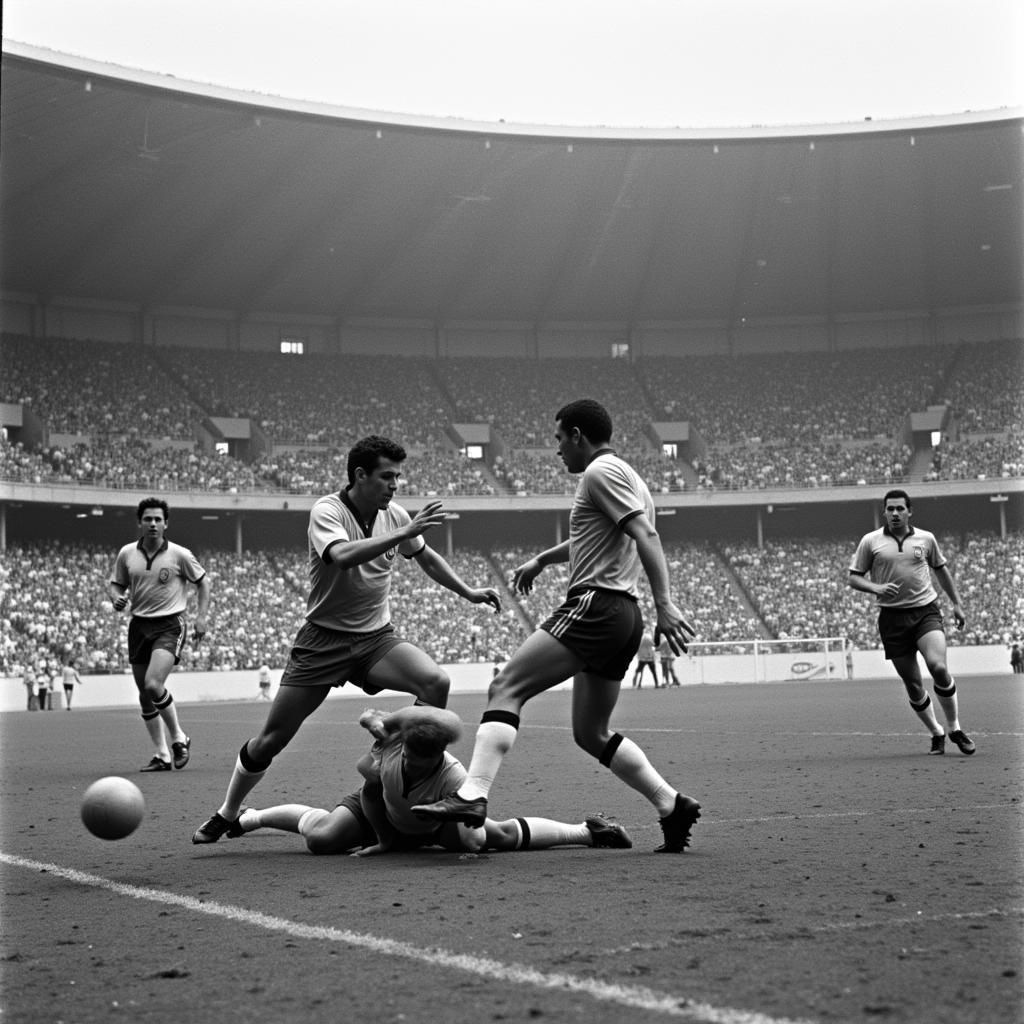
(839, 873)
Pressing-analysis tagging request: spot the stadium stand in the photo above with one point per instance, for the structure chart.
(788, 420)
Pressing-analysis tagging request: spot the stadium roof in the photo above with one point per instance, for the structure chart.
(121, 186)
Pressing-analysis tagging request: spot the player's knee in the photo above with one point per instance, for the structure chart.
(915, 689)
(320, 845)
(592, 742)
(434, 689)
(509, 685)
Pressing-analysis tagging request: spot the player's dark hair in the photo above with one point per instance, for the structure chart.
(153, 503)
(590, 417)
(429, 739)
(898, 493)
(365, 454)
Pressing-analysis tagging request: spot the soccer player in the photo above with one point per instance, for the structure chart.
(668, 661)
(592, 636)
(153, 575)
(896, 563)
(645, 659)
(410, 762)
(264, 680)
(69, 678)
(354, 537)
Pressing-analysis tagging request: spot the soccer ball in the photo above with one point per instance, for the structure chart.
(112, 808)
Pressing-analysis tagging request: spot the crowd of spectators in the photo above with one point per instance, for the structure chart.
(809, 419)
(20, 465)
(981, 458)
(96, 388)
(989, 572)
(801, 588)
(320, 399)
(984, 390)
(805, 397)
(829, 464)
(449, 629)
(131, 462)
(54, 603)
(519, 397)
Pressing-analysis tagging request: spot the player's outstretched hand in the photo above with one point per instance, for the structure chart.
(523, 577)
(372, 721)
(432, 514)
(678, 630)
(485, 595)
(370, 851)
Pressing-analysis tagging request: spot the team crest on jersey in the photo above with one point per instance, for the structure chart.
(164, 575)
(918, 553)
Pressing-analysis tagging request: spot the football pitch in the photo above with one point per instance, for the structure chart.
(839, 873)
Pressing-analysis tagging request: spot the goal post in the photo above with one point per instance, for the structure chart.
(812, 659)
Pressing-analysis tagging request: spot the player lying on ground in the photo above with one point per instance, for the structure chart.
(409, 762)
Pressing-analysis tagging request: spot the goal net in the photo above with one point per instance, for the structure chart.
(764, 661)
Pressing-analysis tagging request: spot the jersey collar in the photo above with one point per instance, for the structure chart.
(888, 532)
(350, 505)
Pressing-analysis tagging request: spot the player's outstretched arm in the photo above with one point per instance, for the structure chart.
(671, 624)
(524, 575)
(357, 552)
(945, 578)
(441, 572)
(382, 725)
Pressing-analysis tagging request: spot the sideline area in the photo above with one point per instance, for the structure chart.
(118, 690)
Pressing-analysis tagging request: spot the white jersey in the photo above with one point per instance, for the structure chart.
(156, 584)
(609, 494)
(352, 600)
(908, 562)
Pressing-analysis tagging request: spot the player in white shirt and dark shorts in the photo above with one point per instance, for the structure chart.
(593, 636)
(896, 563)
(153, 576)
(355, 537)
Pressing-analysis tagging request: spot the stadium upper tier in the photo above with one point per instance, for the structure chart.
(127, 191)
(121, 416)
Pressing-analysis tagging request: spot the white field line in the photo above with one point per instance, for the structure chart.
(634, 997)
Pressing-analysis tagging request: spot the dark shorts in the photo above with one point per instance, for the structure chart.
(162, 633)
(602, 627)
(402, 841)
(328, 657)
(901, 628)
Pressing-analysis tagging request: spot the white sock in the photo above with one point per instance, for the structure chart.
(545, 833)
(927, 715)
(250, 820)
(950, 707)
(631, 765)
(242, 783)
(155, 728)
(493, 741)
